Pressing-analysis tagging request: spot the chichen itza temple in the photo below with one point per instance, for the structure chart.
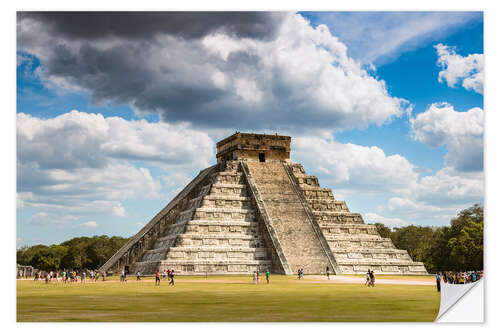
(256, 210)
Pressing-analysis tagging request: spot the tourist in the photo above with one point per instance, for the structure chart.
(257, 277)
(298, 274)
(267, 276)
(84, 276)
(438, 282)
(367, 282)
(328, 272)
(157, 281)
(254, 277)
(171, 278)
(301, 274)
(372, 279)
(165, 274)
(138, 276)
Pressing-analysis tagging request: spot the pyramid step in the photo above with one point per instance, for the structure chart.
(337, 217)
(327, 204)
(385, 268)
(355, 237)
(216, 253)
(229, 189)
(238, 202)
(366, 251)
(218, 223)
(306, 180)
(372, 254)
(228, 177)
(316, 192)
(385, 262)
(224, 213)
(349, 229)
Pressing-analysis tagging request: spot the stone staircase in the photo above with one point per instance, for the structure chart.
(299, 241)
(217, 233)
(355, 245)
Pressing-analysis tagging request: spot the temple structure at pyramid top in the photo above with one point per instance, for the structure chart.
(256, 210)
(254, 147)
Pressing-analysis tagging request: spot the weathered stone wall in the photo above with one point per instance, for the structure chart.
(246, 146)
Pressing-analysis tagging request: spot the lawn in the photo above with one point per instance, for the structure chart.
(222, 298)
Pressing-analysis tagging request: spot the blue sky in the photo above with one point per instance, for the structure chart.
(385, 108)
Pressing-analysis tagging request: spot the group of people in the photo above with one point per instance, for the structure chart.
(66, 276)
(370, 278)
(459, 277)
(256, 277)
(300, 274)
(166, 273)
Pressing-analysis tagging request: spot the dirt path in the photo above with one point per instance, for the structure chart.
(361, 280)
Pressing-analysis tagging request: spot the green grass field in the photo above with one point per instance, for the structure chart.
(224, 299)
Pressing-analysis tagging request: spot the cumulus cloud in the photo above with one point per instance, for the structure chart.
(391, 222)
(461, 132)
(456, 68)
(45, 218)
(89, 224)
(298, 77)
(351, 166)
(85, 163)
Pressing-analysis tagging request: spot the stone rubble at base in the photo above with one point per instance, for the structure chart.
(256, 210)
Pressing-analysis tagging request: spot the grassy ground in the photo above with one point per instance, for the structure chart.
(222, 298)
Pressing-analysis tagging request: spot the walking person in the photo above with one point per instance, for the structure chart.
(328, 272)
(172, 274)
(367, 282)
(301, 274)
(257, 277)
(372, 279)
(298, 274)
(438, 282)
(267, 276)
(254, 277)
(138, 276)
(157, 280)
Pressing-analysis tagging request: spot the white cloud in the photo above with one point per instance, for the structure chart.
(89, 224)
(84, 163)
(49, 218)
(461, 132)
(391, 222)
(451, 186)
(350, 166)
(469, 70)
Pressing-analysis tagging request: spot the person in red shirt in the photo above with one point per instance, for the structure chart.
(157, 282)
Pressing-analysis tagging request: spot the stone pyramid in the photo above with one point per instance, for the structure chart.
(256, 210)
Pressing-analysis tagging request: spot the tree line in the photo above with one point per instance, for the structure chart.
(457, 247)
(77, 253)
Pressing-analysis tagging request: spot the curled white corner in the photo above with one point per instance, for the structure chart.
(461, 303)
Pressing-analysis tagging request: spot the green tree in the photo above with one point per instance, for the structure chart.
(383, 231)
